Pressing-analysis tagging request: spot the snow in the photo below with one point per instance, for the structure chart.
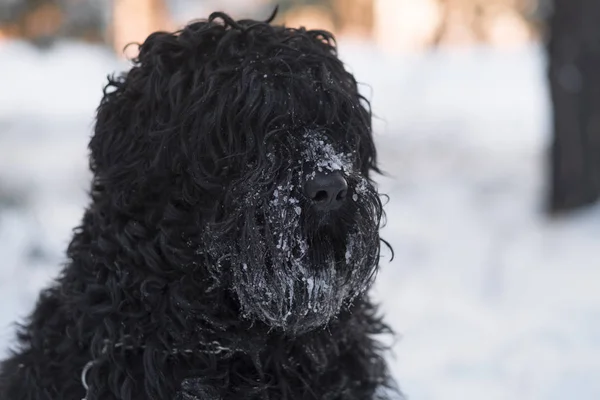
(323, 155)
(491, 299)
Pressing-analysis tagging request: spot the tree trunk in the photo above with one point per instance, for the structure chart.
(574, 75)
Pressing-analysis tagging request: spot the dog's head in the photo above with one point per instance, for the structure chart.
(243, 151)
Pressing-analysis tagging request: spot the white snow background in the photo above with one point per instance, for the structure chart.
(492, 300)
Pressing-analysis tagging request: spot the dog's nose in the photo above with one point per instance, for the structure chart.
(326, 190)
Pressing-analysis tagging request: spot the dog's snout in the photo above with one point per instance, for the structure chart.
(327, 190)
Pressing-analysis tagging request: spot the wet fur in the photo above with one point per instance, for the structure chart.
(196, 153)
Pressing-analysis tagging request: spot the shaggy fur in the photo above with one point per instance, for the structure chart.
(201, 270)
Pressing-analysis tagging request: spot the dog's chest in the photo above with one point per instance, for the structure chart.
(271, 373)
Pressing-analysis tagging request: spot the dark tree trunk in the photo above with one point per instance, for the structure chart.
(574, 73)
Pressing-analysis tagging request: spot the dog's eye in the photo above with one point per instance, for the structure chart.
(225, 173)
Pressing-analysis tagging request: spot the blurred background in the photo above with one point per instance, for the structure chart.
(488, 128)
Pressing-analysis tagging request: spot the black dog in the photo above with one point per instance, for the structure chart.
(231, 236)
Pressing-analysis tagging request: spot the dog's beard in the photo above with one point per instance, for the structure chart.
(296, 271)
(293, 268)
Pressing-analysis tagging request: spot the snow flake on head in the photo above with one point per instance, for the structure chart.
(362, 186)
(323, 155)
(283, 218)
(361, 189)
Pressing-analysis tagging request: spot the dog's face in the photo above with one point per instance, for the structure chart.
(250, 148)
(300, 234)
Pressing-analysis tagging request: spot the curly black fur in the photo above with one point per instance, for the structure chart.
(200, 270)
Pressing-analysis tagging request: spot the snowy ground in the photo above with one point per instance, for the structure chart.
(492, 300)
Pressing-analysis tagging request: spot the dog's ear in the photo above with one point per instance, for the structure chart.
(133, 126)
